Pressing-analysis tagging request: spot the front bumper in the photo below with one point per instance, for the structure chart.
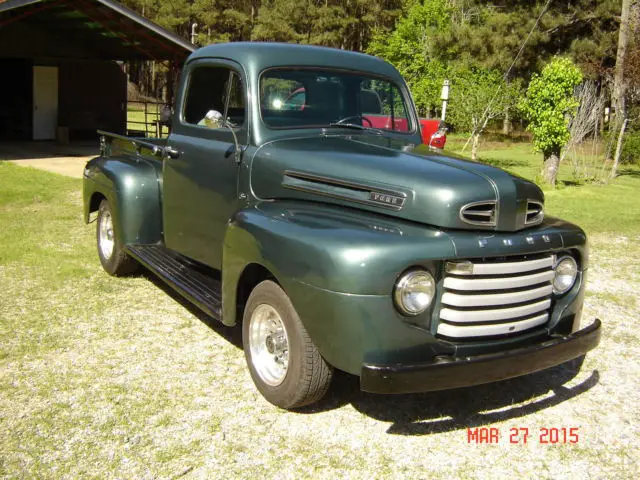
(454, 372)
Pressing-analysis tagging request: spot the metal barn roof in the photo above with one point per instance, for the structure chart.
(91, 29)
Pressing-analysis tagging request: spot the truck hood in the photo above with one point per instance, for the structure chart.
(433, 189)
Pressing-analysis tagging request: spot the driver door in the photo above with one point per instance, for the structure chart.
(200, 178)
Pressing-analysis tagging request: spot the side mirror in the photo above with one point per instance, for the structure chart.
(212, 119)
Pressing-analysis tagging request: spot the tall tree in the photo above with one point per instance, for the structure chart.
(618, 99)
(548, 106)
(346, 24)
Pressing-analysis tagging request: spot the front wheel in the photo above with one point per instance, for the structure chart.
(284, 363)
(111, 252)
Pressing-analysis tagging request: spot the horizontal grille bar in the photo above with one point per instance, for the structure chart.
(512, 267)
(469, 300)
(457, 331)
(455, 283)
(498, 296)
(493, 315)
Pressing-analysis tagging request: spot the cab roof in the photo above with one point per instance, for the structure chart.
(258, 56)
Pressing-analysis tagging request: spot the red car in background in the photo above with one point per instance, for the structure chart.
(434, 131)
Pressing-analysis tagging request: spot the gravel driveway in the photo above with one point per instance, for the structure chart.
(118, 378)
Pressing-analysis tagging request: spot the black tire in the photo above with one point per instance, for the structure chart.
(307, 376)
(116, 263)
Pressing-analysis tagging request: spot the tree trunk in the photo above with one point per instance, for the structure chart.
(474, 146)
(616, 158)
(506, 122)
(618, 80)
(550, 167)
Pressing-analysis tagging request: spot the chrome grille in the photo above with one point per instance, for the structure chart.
(493, 298)
(535, 213)
(479, 213)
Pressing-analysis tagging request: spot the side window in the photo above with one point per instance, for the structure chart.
(236, 109)
(207, 93)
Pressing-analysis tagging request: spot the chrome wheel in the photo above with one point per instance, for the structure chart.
(269, 345)
(106, 239)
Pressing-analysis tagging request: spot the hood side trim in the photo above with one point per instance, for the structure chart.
(344, 190)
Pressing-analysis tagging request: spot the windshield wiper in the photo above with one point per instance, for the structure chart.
(357, 127)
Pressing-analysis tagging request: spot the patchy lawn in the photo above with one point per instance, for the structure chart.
(117, 378)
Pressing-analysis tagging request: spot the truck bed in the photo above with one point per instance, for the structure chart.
(113, 143)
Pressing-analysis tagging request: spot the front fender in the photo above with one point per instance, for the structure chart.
(132, 187)
(339, 267)
(337, 249)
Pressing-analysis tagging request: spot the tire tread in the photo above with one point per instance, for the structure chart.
(315, 373)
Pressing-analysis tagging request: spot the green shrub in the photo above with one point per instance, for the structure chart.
(631, 148)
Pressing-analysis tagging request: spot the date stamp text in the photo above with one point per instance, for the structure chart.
(524, 435)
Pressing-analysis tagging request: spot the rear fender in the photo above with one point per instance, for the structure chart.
(133, 189)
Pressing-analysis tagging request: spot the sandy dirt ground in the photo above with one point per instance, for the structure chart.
(63, 159)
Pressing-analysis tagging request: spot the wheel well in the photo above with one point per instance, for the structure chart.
(94, 204)
(251, 276)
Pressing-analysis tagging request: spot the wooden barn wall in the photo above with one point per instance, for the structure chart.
(16, 85)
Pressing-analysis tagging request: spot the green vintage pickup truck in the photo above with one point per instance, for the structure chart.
(333, 242)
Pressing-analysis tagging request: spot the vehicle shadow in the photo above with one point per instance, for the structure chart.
(233, 335)
(449, 410)
(432, 412)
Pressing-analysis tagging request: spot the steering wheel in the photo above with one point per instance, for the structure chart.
(355, 117)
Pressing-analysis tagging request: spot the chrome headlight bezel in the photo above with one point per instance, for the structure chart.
(563, 262)
(410, 283)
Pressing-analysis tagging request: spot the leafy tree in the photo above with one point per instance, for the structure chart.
(477, 97)
(346, 24)
(585, 30)
(224, 20)
(320, 23)
(412, 50)
(548, 105)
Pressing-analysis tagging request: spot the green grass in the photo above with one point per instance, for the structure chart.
(136, 117)
(104, 377)
(600, 208)
(517, 156)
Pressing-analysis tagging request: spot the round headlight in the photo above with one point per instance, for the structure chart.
(566, 271)
(414, 292)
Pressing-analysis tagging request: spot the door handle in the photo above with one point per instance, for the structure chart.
(171, 152)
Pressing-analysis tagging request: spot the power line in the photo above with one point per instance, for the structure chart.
(506, 75)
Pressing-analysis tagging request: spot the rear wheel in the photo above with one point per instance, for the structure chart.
(284, 363)
(112, 256)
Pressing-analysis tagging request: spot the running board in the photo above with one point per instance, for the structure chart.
(184, 277)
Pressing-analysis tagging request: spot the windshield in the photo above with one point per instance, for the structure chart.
(302, 98)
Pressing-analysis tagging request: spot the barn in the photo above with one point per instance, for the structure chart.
(60, 65)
